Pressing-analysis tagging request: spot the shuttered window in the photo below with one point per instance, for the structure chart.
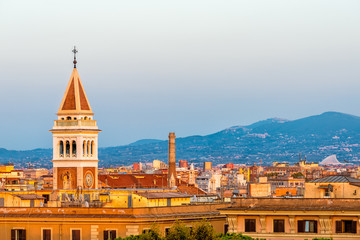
(279, 225)
(346, 226)
(18, 234)
(46, 234)
(338, 227)
(75, 235)
(250, 225)
(307, 226)
(109, 234)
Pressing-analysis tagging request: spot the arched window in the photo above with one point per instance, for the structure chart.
(89, 118)
(92, 148)
(88, 148)
(74, 118)
(61, 149)
(85, 118)
(68, 118)
(73, 148)
(84, 150)
(67, 149)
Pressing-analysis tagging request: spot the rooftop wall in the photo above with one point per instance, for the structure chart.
(316, 204)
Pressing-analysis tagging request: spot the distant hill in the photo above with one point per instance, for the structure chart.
(145, 141)
(273, 139)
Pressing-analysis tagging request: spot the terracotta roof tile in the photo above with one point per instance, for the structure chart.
(69, 103)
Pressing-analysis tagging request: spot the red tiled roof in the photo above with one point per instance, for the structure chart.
(134, 180)
(69, 103)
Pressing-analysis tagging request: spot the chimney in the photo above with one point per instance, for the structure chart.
(172, 161)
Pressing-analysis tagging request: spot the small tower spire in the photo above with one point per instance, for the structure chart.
(74, 51)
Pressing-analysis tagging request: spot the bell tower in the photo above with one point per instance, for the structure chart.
(75, 139)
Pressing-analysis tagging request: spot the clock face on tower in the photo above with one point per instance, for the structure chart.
(88, 179)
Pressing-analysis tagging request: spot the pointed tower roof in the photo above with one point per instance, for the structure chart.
(75, 100)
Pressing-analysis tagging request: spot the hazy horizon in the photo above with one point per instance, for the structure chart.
(151, 67)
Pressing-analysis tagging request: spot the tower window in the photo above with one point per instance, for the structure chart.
(88, 148)
(73, 148)
(67, 149)
(84, 150)
(92, 148)
(68, 118)
(61, 149)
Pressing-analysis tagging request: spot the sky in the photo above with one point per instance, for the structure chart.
(192, 67)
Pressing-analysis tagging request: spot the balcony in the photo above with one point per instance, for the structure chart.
(75, 123)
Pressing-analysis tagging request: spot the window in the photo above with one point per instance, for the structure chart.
(67, 149)
(88, 148)
(92, 148)
(18, 234)
(346, 226)
(61, 148)
(73, 148)
(75, 234)
(47, 198)
(327, 193)
(84, 150)
(109, 234)
(307, 226)
(167, 231)
(226, 228)
(279, 225)
(46, 234)
(250, 225)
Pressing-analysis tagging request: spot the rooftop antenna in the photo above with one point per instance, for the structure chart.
(74, 51)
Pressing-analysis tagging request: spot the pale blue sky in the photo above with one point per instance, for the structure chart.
(193, 67)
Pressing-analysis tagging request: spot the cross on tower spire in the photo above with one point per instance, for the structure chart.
(74, 51)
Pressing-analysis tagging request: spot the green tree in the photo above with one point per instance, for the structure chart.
(178, 231)
(233, 236)
(153, 234)
(203, 230)
(298, 175)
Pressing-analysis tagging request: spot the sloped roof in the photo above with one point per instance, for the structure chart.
(75, 100)
(134, 180)
(191, 190)
(156, 195)
(28, 196)
(336, 179)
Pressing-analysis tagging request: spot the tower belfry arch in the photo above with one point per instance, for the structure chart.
(75, 139)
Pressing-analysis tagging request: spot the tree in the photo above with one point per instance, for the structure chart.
(178, 232)
(298, 175)
(203, 231)
(152, 234)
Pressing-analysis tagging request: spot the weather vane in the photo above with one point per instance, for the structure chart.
(74, 51)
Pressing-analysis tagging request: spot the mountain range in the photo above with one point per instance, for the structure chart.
(274, 139)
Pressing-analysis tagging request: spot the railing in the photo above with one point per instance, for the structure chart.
(70, 123)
